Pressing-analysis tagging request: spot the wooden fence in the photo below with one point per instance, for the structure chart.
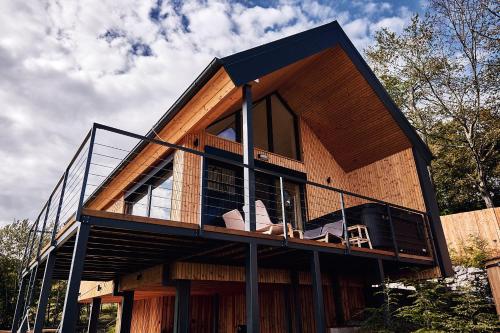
(484, 223)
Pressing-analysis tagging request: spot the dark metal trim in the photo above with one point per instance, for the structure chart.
(317, 290)
(44, 293)
(442, 254)
(94, 315)
(86, 174)
(126, 315)
(252, 289)
(182, 306)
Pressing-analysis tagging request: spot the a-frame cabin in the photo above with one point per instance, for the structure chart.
(273, 196)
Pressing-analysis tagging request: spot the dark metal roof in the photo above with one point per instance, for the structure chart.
(249, 65)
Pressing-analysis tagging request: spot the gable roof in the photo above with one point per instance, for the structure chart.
(251, 64)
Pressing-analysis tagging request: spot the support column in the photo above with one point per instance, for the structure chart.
(126, 313)
(182, 310)
(248, 158)
(337, 299)
(296, 301)
(44, 293)
(317, 288)
(215, 311)
(442, 254)
(20, 304)
(252, 289)
(94, 315)
(70, 311)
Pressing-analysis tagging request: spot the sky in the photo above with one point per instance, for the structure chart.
(67, 64)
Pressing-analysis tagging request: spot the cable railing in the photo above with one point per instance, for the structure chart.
(183, 183)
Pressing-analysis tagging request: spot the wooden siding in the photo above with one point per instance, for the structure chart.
(345, 112)
(484, 223)
(393, 179)
(215, 96)
(155, 314)
(493, 270)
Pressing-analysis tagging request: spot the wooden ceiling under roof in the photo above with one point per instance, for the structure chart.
(336, 101)
(343, 110)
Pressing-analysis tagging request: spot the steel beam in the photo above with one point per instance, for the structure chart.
(70, 311)
(252, 289)
(182, 311)
(94, 315)
(126, 314)
(248, 158)
(317, 289)
(337, 299)
(44, 293)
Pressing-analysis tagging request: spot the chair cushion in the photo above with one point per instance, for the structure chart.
(334, 228)
(312, 233)
(262, 220)
(234, 220)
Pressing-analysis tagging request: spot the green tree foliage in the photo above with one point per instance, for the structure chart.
(442, 71)
(435, 307)
(12, 241)
(474, 252)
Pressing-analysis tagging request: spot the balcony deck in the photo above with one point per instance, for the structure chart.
(120, 244)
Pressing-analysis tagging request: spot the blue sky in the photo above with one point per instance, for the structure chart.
(67, 64)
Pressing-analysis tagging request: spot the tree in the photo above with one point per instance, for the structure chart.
(13, 239)
(442, 71)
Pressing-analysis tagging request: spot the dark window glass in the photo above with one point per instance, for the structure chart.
(161, 197)
(226, 128)
(224, 192)
(154, 198)
(260, 138)
(284, 139)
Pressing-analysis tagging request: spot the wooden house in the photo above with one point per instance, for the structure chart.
(275, 195)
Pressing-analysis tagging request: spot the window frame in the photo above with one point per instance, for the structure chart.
(269, 115)
(131, 196)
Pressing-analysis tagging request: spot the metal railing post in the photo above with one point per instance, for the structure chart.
(393, 234)
(344, 220)
(59, 206)
(86, 173)
(283, 214)
(42, 232)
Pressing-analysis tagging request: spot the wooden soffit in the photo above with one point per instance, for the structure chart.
(343, 110)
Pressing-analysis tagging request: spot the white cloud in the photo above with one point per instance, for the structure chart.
(66, 64)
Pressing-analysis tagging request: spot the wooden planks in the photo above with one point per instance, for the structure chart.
(344, 111)
(493, 270)
(484, 223)
(215, 95)
(393, 179)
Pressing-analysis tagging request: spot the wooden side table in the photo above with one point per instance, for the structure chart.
(358, 235)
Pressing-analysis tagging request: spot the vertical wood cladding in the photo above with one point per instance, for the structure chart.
(275, 301)
(393, 179)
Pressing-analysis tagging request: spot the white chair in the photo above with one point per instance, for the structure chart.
(234, 220)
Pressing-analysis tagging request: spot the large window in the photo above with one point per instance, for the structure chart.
(274, 127)
(153, 196)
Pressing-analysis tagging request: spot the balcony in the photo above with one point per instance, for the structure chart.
(196, 189)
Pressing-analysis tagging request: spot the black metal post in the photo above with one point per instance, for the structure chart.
(248, 159)
(442, 254)
(182, 311)
(94, 315)
(203, 192)
(59, 206)
(44, 293)
(294, 277)
(126, 315)
(86, 174)
(215, 310)
(317, 289)
(393, 233)
(344, 221)
(44, 224)
(70, 311)
(337, 299)
(252, 289)
(19, 304)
